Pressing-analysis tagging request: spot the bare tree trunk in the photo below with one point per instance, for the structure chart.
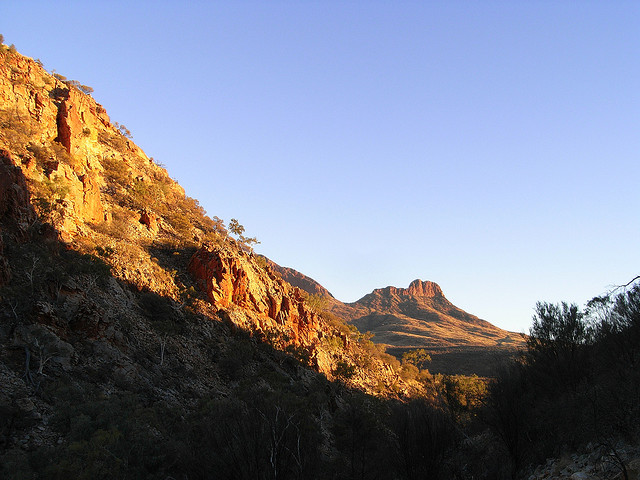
(163, 346)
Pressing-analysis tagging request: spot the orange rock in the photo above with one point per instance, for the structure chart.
(91, 203)
(149, 220)
(418, 288)
(237, 280)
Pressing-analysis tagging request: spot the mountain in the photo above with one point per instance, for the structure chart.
(420, 316)
(73, 181)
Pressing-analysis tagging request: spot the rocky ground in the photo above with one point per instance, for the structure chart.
(597, 462)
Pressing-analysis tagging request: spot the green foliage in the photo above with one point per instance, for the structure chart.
(557, 329)
(40, 153)
(116, 171)
(234, 358)
(47, 196)
(180, 222)
(419, 357)
(145, 193)
(109, 436)
(235, 227)
(464, 395)
(261, 262)
(333, 344)
(115, 141)
(18, 132)
(361, 437)
(424, 437)
(318, 303)
(301, 353)
(124, 131)
(263, 436)
(556, 344)
(344, 370)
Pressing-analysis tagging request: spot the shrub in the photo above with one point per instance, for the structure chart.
(344, 370)
(117, 142)
(116, 170)
(164, 318)
(40, 154)
(318, 303)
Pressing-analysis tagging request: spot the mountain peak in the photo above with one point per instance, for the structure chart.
(419, 288)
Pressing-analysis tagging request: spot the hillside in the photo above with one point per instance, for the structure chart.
(130, 320)
(75, 180)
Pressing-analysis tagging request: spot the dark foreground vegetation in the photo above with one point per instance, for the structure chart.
(577, 383)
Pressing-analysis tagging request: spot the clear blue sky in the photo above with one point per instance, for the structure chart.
(492, 147)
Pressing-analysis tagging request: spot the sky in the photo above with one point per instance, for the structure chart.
(492, 147)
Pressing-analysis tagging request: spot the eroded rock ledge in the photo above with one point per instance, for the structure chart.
(237, 280)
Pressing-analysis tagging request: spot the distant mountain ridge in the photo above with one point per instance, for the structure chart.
(419, 316)
(298, 279)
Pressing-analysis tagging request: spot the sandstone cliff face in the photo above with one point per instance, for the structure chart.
(63, 137)
(237, 280)
(418, 288)
(45, 111)
(102, 168)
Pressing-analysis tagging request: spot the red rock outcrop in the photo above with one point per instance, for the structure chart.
(92, 209)
(150, 221)
(235, 280)
(418, 288)
(78, 118)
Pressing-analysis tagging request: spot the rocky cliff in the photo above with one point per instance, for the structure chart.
(235, 280)
(71, 175)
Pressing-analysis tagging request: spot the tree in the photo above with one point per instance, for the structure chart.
(420, 358)
(123, 130)
(556, 345)
(236, 228)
